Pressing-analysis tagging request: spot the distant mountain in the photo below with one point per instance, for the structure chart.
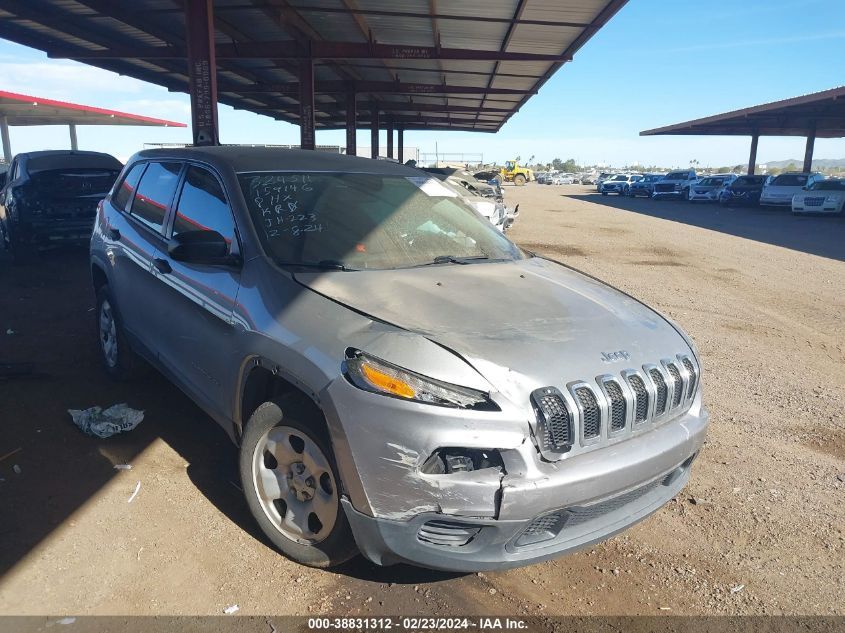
(818, 163)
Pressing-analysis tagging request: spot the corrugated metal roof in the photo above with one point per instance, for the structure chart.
(435, 74)
(820, 113)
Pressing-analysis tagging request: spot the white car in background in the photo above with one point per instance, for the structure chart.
(823, 196)
(780, 189)
(619, 184)
(709, 188)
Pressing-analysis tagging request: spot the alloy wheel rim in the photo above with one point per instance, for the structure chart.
(108, 334)
(295, 485)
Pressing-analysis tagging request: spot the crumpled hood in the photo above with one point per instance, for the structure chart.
(521, 324)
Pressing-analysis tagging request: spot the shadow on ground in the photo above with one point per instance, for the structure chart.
(47, 308)
(817, 235)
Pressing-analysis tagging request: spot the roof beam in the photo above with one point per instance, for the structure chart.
(313, 50)
(383, 87)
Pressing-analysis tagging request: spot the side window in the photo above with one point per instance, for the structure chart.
(154, 193)
(202, 206)
(126, 190)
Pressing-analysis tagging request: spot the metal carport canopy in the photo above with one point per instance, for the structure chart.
(415, 64)
(816, 115)
(22, 110)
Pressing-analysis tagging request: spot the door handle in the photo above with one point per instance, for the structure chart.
(162, 266)
(113, 233)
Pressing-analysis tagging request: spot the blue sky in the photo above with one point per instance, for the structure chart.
(657, 62)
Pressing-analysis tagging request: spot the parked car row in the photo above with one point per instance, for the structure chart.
(803, 192)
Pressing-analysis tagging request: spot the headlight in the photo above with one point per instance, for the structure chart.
(834, 198)
(379, 376)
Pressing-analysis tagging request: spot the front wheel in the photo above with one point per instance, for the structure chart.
(291, 484)
(519, 180)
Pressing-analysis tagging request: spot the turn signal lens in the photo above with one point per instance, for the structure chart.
(385, 382)
(373, 374)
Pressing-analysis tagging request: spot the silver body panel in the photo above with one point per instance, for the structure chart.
(507, 329)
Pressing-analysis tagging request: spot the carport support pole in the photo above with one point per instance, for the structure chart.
(307, 138)
(374, 135)
(752, 160)
(7, 144)
(808, 152)
(202, 71)
(351, 119)
(390, 139)
(400, 144)
(74, 145)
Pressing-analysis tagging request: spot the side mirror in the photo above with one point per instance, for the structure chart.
(201, 247)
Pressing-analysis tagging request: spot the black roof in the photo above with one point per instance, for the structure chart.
(250, 159)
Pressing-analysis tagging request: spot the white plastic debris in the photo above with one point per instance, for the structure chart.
(10, 331)
(737, 589)
(99, 423)
(232, 609)
(123, 466)
(17, 469)
(66, 621)
(134, 494)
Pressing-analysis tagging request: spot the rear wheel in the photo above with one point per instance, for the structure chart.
(291, 484)
(119, 359)
(519, 180)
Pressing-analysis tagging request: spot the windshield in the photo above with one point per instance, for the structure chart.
(829, 185)
(790, 180)
(712, 182)
(620, 177)
(367, 221)
(653, 178)
(749, 181)
(677, 175)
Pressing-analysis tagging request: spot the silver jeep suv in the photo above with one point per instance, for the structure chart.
(401, 379)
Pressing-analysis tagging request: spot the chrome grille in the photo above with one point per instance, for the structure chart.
(627, 402)
(642, 398)
(555, 418)
(662, 391)
(678, 393)
(592, 414)
(618, 406)
(693, 380)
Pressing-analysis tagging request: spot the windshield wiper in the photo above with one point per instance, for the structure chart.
(454, 259)
(325, 264)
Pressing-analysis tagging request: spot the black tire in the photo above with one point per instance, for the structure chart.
(126, 364)
(685, 195)
(339, 545)
(519, 180)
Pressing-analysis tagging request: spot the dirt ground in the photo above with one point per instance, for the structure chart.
(760, 529)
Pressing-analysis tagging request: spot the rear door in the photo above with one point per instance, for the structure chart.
(197, 300)
(134, 232)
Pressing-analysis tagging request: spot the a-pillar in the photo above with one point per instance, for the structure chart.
(808, 151)
(351, 118)
(752, 159)
(202, 71)
(307, 138)
(390, 139)
(374, 134)
(400, 144)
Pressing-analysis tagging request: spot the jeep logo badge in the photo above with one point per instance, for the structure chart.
(614, 357)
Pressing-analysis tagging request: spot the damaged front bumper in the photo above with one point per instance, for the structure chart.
(526, 511)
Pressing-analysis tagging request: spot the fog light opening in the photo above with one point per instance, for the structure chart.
(448, 461)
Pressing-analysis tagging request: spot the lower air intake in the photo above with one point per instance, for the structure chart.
(446, 533)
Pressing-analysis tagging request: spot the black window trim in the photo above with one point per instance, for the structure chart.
(171, 217)
(161, 231)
